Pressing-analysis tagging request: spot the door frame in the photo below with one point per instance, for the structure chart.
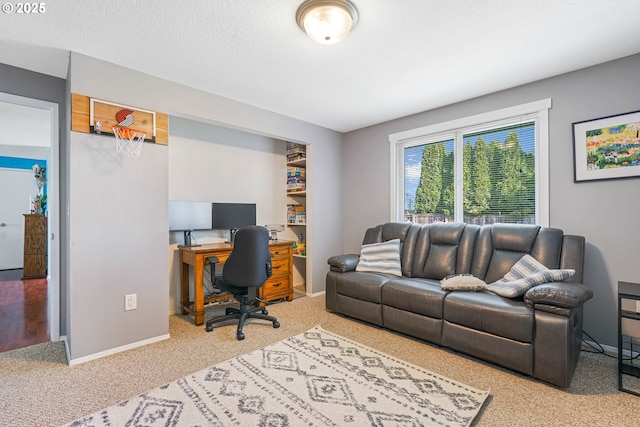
(53, 202)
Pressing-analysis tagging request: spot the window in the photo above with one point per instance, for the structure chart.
(483, 169)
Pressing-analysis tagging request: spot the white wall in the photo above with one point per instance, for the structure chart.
(604, 212)
(118, 226)
(26, 131)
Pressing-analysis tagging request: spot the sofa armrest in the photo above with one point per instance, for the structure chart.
(343, 263)
(559, 294)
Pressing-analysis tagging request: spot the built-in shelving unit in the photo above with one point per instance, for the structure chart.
(297, 213)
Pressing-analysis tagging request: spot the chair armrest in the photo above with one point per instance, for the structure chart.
(212, 260)
(343, 263)
(559, 294)
(269, 268)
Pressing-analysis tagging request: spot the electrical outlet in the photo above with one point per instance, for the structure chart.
(130, 302)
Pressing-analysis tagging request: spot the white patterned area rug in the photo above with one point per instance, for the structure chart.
(313, 379)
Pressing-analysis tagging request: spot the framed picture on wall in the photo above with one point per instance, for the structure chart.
(607, 148)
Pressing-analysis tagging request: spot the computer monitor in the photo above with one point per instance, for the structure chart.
(189, 216)
(231, 216)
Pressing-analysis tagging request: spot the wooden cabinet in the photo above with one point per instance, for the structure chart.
(280, 284)
(35, 246)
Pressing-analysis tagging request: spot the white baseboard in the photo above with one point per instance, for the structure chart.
(317, 294)
(613, 351)
(595, 345)
(115, 350)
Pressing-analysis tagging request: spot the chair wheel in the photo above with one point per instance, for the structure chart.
(240, 336)
(208, 328)
(276, 324)
(264, 311)
(227, 311)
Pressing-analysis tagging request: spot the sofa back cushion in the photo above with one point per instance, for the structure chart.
(437, 250)
(405, 232)
(443, 249)
(500, 246)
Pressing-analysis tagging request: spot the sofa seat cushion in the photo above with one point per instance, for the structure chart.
(362, 286)
(420, 296)
(490, 313)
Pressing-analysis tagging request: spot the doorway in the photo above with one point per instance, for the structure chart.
(20, 117)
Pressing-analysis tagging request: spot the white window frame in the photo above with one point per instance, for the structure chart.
(537, 111)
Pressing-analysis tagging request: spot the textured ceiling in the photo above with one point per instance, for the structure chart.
(404, 57)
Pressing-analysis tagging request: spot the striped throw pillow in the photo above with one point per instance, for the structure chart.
(381, 257)
(524, 275)
(524, 267)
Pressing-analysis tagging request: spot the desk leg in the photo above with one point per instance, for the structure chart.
(198, 291)
(184, 286)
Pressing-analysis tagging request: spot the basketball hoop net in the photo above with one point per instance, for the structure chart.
(128, 140)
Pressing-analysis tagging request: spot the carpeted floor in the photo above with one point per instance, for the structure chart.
(38, 388)
(316, 378)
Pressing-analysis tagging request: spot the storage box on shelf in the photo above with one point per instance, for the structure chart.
(296, 214)
(296, 179)
(296, 152)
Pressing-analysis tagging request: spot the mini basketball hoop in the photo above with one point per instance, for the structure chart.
(128, 140)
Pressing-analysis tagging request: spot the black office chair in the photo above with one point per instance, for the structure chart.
(246, 270)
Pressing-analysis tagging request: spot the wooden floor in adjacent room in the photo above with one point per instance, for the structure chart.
(23, 311)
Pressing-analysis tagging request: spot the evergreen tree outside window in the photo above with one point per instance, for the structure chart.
(429, 182)
(485, 169)
(499, 178)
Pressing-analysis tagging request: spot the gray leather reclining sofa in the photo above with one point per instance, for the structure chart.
(538, 335)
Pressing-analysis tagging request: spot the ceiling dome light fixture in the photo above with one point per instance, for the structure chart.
(327, 21)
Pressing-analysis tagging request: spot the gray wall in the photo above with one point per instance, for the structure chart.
(605, 212)
(17, 81)
(118, 242)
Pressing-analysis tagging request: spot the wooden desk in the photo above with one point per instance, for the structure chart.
(279, 285)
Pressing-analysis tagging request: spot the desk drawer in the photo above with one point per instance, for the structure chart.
(279, 266)
(275, 286)
(280, 252)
